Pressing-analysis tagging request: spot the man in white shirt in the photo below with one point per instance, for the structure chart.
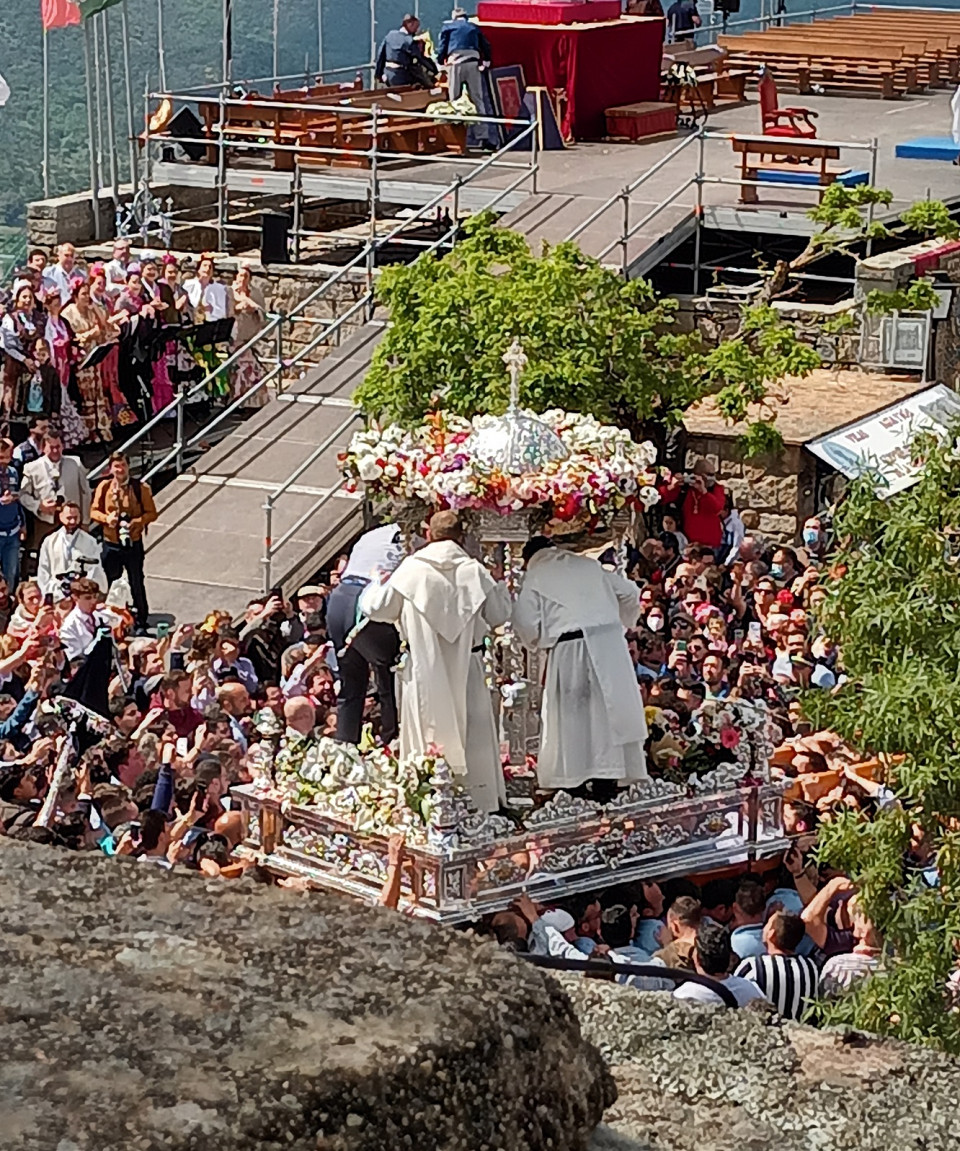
(64, 271)
(69, 552)
(81, 629)
(51, 481)
(116, 269)
(372, 646)
(711, 957)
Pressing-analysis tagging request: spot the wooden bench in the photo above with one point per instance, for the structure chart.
(351, 129)
(944, 42)
(791, 155)
(913, 53)
(860, 68)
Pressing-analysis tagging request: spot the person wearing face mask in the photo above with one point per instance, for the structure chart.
(814, 540)
(785, 567)
(701, 501)
(655, 620)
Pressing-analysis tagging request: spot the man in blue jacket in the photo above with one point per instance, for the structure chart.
(401, 59)
(466, 52)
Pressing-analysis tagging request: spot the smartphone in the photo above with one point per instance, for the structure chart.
(163, 629)
(680, 645)
(277, 591)
(755, 631)
(182, 745)
(48, 599)
(738, 635)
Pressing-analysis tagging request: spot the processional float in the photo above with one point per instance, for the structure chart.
(326, 810)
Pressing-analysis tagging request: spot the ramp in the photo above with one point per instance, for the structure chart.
(206, 549)
(551, 216)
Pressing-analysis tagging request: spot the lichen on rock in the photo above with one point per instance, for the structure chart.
(701, 1078)
(142, 1010)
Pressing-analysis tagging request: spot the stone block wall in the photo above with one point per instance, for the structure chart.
(718, 320)
(780, 488)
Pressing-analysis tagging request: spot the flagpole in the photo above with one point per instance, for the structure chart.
(46, 119)
(227, 43)
(101, 177)
(160, 48)
(94, 188)
(320, 39)
(373, 43)
(128, 86)
(276, 47)
(108, 88)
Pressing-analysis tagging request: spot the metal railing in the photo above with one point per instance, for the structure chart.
(272, 546)
(280, 327)
(606, 969)
(697, 180)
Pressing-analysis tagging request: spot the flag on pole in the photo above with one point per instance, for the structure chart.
(58, 14)
(92, 7)
(4, 91)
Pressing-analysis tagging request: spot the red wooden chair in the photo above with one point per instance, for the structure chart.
(799, 121)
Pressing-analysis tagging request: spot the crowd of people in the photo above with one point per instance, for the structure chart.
(722, 614)
(98, 348)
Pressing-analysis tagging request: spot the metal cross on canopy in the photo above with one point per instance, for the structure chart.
(516, 361)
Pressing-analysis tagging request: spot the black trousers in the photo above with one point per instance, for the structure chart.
(117, 559)
(375, 647)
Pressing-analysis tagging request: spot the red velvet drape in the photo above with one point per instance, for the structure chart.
(600, 65)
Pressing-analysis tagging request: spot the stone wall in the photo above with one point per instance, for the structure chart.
(715, 1079)
(69, 219)
(143, 1010)
(718, 320)
(781, 488)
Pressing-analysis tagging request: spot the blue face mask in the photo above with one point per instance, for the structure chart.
(776, 570)
(811, 536)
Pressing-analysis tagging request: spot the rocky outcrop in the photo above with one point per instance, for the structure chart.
(142, 1010)
(711, 1079)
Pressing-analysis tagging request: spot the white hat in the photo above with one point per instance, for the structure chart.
(560, 919)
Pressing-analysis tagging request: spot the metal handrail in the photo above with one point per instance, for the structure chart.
(187, 394)
(349, 110)
(629, 232)
(630, 188)
(270, 548)
(589, 966)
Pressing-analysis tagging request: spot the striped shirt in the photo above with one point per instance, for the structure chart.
(841, 971)
(790, 982)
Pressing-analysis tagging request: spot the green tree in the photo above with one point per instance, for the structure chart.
(894, 609)
(595, 342)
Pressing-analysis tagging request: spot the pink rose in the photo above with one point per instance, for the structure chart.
(729, 738)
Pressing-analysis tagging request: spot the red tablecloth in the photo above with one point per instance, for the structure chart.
(547, 11)
(599, 65)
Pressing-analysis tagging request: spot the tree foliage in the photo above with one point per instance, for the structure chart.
(844, 226)
(595, 342)
(894, 608)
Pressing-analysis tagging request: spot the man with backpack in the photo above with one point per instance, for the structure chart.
(124, 506)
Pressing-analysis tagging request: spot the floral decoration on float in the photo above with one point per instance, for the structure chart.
(567, 465)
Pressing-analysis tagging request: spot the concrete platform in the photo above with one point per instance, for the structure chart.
(206, 549)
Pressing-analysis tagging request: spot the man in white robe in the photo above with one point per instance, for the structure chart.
(443, 603)
(592, 721)
(69, 552)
